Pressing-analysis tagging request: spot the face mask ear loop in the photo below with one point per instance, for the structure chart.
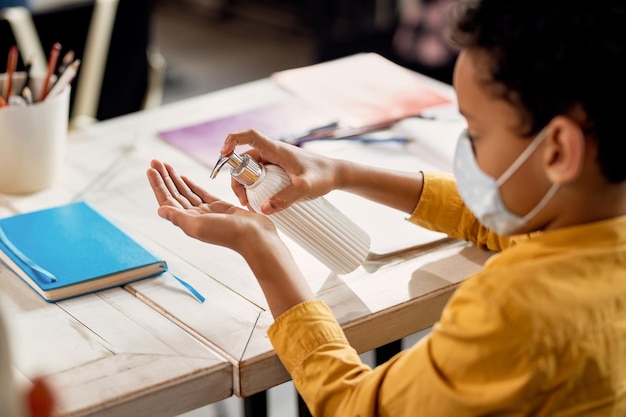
(544, 201)
(523, 156)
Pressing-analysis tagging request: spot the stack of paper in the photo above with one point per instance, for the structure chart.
(364, 89)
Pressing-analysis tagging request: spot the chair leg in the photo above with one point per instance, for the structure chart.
(89, 83)
(25, 32)
(156, 79)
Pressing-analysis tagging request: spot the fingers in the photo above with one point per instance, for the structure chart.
(306, 171)
(187, 220)
(266, 147)
(217, 223)
(171, 187)
(196, 190)
(281, 200)
(240, 192)
(179, 189)
(160, 190)
(263, 149)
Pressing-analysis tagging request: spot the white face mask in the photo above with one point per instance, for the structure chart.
(481, 193)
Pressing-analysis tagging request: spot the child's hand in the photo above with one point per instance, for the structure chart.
(311, 175)
(206, 218)
(203, 216)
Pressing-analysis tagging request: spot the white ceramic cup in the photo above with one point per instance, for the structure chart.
(32, 139)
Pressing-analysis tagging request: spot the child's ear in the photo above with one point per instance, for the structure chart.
(40, 399)
(565, 151)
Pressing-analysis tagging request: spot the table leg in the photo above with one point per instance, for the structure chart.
(255, 405)
(303, 410)
(386, 352)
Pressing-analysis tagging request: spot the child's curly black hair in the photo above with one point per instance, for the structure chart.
(549, 57)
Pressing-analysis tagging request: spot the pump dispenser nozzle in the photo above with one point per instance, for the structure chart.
(243, 168)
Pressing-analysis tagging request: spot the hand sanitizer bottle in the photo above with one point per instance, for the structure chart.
(315, 224)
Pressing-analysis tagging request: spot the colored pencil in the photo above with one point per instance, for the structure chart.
(52, 64)
(65, 78)
(11, 66)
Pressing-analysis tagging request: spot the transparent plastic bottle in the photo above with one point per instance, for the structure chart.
(315, 224)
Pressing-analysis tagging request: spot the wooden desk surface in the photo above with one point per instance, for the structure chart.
(151, 348)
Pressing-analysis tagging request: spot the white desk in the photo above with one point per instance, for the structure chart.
(151, 348)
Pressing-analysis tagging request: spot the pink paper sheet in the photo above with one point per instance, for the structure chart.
(363, 89)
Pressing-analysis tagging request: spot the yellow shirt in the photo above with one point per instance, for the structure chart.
(540, 331)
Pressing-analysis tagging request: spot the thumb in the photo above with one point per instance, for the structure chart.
(169, 213)
(281, 200)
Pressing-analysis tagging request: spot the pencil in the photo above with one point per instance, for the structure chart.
(52, 64)
(65, 78)
(27, 69)
(66, 61)
(28, 95)
(11, 66)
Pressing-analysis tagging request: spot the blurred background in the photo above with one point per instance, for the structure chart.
(209, 46)
(148, 52)
(221, 43)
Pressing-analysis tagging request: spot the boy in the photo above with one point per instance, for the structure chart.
(541, 330)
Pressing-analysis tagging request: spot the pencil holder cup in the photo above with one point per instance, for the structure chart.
(32, 138)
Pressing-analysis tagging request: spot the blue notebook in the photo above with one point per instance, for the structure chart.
(71, 250)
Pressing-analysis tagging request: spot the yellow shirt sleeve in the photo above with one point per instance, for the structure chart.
(475, 363)
(441, 208)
